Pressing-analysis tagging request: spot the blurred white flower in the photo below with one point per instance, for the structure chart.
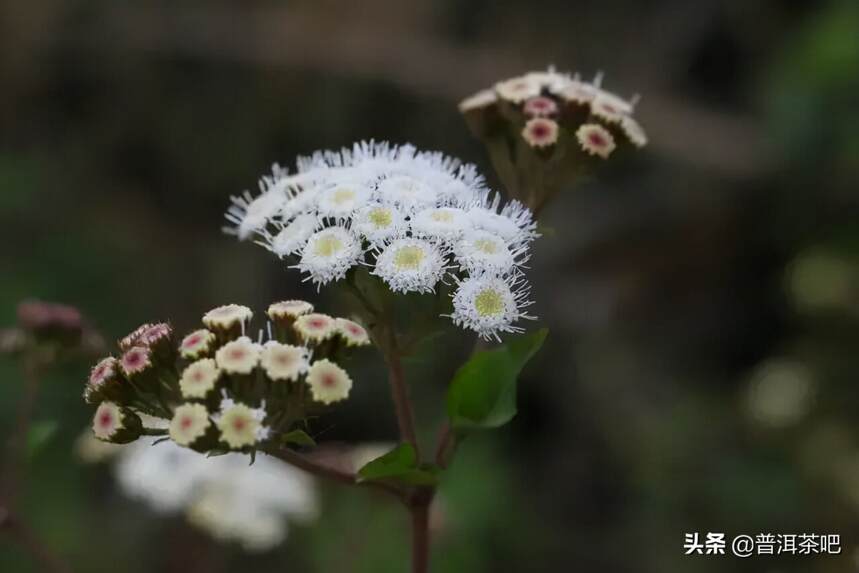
(223, 495)
(780, 392)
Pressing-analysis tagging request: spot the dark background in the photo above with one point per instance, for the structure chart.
(671, 283)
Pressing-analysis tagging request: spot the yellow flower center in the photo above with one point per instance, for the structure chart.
(489, 302)
(328, 246)
(381, 218)
(343, 195)
(442, 216)
(408, 258)
(486, 246)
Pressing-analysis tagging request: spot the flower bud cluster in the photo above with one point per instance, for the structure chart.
(550, 121)
(216, 389)
(51, 329)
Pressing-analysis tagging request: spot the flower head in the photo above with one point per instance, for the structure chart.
(406, 192)
(489, 305)
(540, 107)
(481, 99)
(105, 370)
(283, 361)
(596, 140)
(189, 423)
(240, 356)
(199, 378)
(482, 251)
(443, 223)
(250, 214)
(196, 344)
(293, 235)
(353, 333)
(408, 265)
(328, 254)
(609, 107)
(136, 360)
(540, 132)
(328, 382)
(515, 223)
(107, 421)
(227, 316)
(288, 309)
(147, 335)
(517, 90)
(341, 200)
(578, 92)
(379, 223)
(314, 327)
(241, 425)
(633, 130)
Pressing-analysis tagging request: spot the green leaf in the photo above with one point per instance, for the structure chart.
(482, 393)
(400, 464)
(39, 435)
(299, 438)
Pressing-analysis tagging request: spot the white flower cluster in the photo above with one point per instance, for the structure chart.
(416, 219)
(222, 495)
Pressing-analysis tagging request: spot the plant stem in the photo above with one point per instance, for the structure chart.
(446, 447)
(317, 468)
(13, 480)
(28, 539)
(419, 509)
(400, 393)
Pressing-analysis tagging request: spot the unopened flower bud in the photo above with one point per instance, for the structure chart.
(198, 344)
(283, 361)
(228, 318)
(112, 423)
(288, 310)
(352, 333)
(238, 357)
(241, 425)
(314, 327)
(51, 321)
(189, 424)
(328, 382)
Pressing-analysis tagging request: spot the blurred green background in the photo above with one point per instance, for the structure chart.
(703, 298)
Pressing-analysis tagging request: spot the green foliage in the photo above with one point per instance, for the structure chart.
(39, 435)
(299, 438)
(400, 465)
(482, 394)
